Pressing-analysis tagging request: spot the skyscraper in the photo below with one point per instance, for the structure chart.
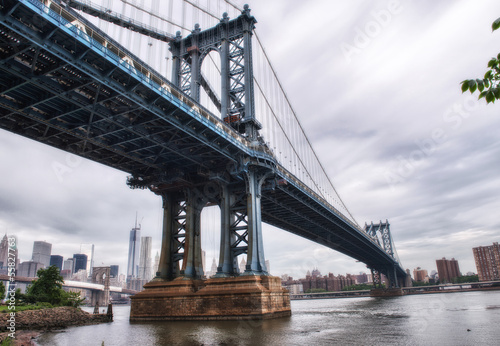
(4, 254)
(88, 249)
(80, 262)
(113, 271)
(41, 253)
(157, 263)
(133, 252)
(487, 260)
(56, 260)
(145, 270)
(447, 270)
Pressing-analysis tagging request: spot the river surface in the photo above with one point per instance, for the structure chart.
(468, 318)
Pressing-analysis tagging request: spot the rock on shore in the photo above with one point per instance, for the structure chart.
(53, 318)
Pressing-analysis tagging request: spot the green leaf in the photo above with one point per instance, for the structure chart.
(481, 95)
(486, 83)
(472, 85)
(496, 92)
(465, 85)
(490, 97)
(480, 84)
(487, 75)
(495, 25)
(492, 62)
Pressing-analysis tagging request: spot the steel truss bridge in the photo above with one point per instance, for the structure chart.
(66, 83)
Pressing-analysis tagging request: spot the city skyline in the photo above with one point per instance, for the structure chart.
(425, 156)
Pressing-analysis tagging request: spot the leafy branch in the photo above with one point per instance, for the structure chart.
(489, 86)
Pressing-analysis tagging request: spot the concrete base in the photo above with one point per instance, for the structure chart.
(233, 298)
(386, 292)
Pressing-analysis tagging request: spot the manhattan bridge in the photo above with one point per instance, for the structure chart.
(181, 95)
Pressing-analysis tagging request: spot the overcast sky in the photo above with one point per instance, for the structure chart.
(376, 85)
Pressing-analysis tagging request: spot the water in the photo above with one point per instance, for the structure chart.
(436, 319)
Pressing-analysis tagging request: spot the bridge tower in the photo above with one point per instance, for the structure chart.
(235, 188)
(381, 233)
(232, 39)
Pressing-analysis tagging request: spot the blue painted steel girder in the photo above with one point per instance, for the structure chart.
(91, 106)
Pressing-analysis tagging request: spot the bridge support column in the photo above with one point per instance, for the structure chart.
(192, 266)
(228, 265)
(256, 264)
(174, 223)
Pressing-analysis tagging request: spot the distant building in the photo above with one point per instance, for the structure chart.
(41, 253)
(133, 252)
(487, 260)
(329, 283)
(80, 262)
(243, 264)
(447, 270)
(145, 261)
(56, 260)
(420, 275)
(66, 274)
(362, 278)
(157, 263)
(29, 269)
(69, 264)
(88, 249)
(213, 269)
(5, 251)
(136, 284)
(113, 271)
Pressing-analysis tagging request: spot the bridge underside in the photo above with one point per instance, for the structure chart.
(65, 83)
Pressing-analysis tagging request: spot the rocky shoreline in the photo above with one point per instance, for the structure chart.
(30, 323)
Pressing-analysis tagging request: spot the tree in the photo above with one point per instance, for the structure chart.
(489, 86)
(2, 290)
(48, 289)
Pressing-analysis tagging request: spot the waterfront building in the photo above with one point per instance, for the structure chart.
(133, 252)
(80, 262)
(420, 275)
(329, 283)
(56, 260)
(487, 260)
(447, 270)
(362, 278)
(145, 269)
(41, 253)
(88, 249)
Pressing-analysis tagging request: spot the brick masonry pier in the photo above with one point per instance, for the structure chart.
(386, 292)
(233, 298)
